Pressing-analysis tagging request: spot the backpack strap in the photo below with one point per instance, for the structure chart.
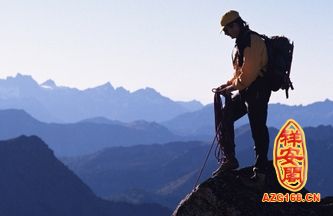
(243, 41)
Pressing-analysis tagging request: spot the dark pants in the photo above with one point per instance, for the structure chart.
(254, 102)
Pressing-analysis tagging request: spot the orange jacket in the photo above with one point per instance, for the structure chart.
(254, 61)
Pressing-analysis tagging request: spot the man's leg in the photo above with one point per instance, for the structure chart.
(257, 101)
(232, 111)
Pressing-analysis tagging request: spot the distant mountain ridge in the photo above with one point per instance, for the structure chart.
(33, 182)
(201, 122)
(83, 137)
(51, 103)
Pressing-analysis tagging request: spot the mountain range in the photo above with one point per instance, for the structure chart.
(201, 122)
(166, 173)
(51, 103)
(83, 137)
(34, 182)
(48, 102)
(159, 173)
(127, 147)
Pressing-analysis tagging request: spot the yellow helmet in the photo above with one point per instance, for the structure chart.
(229, 17)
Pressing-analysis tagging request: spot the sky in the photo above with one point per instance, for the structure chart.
(172, 46)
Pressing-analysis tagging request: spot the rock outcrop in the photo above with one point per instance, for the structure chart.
(234, 194)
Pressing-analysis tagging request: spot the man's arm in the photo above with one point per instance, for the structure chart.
(255, 58)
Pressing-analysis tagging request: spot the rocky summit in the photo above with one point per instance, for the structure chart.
(234, 194)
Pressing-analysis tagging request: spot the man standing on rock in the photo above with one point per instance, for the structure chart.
(249, 62)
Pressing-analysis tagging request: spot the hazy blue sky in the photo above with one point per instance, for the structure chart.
(173, 46)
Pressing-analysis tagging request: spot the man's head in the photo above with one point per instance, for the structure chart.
(232, 24)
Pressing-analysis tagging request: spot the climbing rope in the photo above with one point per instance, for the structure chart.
(218, 151)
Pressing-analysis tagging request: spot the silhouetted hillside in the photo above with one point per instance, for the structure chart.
(146, 173)
(319, 142)
(165, 173)
(34, 182)
(159, 173)
(83, 137)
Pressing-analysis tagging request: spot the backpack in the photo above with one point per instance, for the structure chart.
(280, 55)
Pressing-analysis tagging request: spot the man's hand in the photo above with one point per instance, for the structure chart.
(225, 89)
(228, 89)
(219, 89)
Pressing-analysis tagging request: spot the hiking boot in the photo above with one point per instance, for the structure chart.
(227, 165)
